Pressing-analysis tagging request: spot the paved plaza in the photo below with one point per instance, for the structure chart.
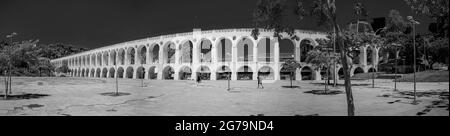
(83, 97)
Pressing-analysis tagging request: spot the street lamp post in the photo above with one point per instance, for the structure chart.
(373, 63)
(334, 56)
(395, 67)
(9, 62)
(413, 23)
(229, 77)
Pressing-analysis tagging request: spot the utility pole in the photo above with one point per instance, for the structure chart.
(116, 74)
(334, 56)
(9, 62)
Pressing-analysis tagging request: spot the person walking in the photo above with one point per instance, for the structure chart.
(198, 79)
(260, 82)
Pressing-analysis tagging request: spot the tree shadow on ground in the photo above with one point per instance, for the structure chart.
(323, 92)
(294, 86)
(307, 115)
(114, 94)
(341, 84)
(22, 96)
(31, 106)
(257, 115)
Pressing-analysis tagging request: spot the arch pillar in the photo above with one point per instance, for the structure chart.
(126, 57)
(135, 71)
(148, 60)
(375, 56)
(363, 56)
(317, 76)
(213, 75)
(137, 61)
(277, 59)
(213, 53)
(108, 73)
(159, 72)
(176, 74)
(146, 71)
(297, 51)
(116, 73)
(298, 74)
(195, 52)
(177, 54)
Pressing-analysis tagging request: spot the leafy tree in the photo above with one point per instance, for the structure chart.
(291, 65)
(271, 15)
(434, 9)
(322, 59)
(438, 10)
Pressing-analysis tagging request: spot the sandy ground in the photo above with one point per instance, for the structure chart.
(81, 96)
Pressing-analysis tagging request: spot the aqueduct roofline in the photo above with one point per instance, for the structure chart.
(168, 36)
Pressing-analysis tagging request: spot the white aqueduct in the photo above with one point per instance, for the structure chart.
(213, 54)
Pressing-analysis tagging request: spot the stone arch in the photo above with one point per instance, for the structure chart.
(87, 72)
(152, 73)
(105, 58)
(105, 72)
(154, 53)
(112, 71)
(266, 73)
(266, 50)
(306, 45)
(88, 60)
(99, 59)
(93, 60)
(129, 72)
(131, 52)
(205, 51)
(97, 72)
(245, 50)
(92, 72)
(358, 70)
(121, 56)
(169, 52)
(204, 72)
(223, 73)
(307, 73)
(372, 69)
(286, 74)
(142, 54)
(224, 49)
(186, 49)
(82, 72)
(112, 57)
(287, 49)
(341, 73)
(185, 73)
(120, 72)
(245, 73)
(140, 72)
(168, 72)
